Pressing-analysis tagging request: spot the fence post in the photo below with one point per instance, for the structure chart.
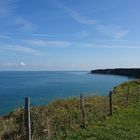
(127, 95)
(110, 103)
(138, 94)
(27, 123)
(82, 111)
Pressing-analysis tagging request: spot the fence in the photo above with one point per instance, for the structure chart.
(127, 99)
(63, 116)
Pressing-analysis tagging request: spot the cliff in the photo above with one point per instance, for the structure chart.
(130, 72)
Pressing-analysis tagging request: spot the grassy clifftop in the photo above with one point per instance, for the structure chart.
(62, 118)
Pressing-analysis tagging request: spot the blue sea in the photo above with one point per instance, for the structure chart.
(45, 86)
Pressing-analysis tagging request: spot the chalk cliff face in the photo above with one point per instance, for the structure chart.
(130, 72)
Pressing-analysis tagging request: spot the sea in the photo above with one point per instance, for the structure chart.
(44, 87)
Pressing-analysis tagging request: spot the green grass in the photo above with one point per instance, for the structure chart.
(62, 119)
(123, 125)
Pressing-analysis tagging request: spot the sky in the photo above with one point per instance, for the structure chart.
(69, 34)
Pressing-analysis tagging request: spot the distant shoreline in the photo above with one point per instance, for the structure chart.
(129, 72)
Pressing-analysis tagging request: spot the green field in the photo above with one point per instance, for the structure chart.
(62, 119)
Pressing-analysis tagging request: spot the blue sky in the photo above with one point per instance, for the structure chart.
(69, 34)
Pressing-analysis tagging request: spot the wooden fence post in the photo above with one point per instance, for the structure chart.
(82, 111)
(27, 123)
(127, 95)
(110, 103)
(138, 94)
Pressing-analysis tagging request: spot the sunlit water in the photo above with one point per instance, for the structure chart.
(43, 87)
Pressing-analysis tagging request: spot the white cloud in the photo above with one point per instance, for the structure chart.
(81, 19)
(33, 46)
(77, 16)
(14, 64)
(40, 35)
(47, 43)
(114, 31)
(22, 64)
(83, 34)
(7, 7)
(5, 37)
(24, 23)
(10, 35)
(111, 44)
(9, 64)
(21, 49)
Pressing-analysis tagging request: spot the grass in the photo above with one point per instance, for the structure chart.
(62, 118)
(123, 125)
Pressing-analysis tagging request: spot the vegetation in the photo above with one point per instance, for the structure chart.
(62, 119)
(130, 72)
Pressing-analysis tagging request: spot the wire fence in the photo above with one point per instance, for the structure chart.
(64, 116)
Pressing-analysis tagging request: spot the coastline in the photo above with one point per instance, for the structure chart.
(129, 72)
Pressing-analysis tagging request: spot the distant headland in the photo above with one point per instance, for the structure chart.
(130, 72)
